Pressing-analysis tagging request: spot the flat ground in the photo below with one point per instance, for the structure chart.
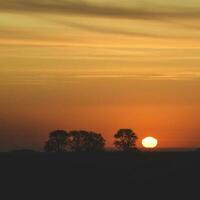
(152, 175)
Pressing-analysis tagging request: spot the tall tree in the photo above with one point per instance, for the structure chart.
(86, 141)
(125, 140)
(57, 141)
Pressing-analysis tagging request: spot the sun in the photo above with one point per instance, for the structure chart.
(149, 142)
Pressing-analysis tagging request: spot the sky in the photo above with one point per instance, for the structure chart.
(99, 65)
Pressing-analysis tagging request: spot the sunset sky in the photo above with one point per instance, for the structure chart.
(99, 65)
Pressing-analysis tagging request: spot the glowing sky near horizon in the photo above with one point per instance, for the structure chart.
(99, 65)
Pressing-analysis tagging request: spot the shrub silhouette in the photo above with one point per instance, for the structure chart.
(57, 141)
(86, 141)
(125, 140)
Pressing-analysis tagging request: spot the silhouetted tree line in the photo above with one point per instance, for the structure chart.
(87, 141)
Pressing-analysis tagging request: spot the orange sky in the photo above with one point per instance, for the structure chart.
(99, 66)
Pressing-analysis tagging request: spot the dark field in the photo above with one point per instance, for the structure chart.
(155, 175)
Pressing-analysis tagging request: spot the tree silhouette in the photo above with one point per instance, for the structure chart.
(125, 140)
(86, 141)
(57, 141)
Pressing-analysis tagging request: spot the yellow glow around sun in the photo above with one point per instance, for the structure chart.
(149, 142)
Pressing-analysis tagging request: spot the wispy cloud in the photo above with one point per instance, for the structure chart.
(101, 10)
(104, 29)
(53, 21)
(45, 78)
(145, 76)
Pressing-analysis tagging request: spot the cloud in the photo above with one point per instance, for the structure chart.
(95, 9)
(104, 29)
(164, 13)
(145, 76)
(45, 78)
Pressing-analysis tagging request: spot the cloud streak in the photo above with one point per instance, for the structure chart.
(95, 9)
(104, 29)
(33, 78)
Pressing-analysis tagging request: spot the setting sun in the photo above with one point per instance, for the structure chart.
(149, 142)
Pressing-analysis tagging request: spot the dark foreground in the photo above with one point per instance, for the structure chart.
(166, 175)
